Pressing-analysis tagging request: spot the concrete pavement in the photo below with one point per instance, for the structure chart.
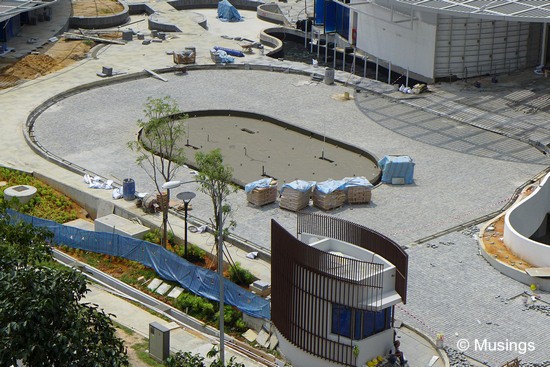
(138, 319)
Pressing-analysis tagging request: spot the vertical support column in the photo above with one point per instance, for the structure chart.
(326, 48)
(318, 34)
(344, 59)
(376, 73)
(407, 78)
(389, 72)
(334, 48)
(305, 36)
(365, 60)
(353, 63)
(543, 48)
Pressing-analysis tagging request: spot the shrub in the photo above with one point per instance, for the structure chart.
(194, 253)
(240, 276)
(196, 306)
(233, 319)
(154, 236)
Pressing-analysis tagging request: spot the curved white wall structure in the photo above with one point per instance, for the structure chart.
(523, 220)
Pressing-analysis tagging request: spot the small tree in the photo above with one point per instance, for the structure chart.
(216, 181)
(160, 147)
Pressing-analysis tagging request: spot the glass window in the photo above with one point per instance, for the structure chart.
(368, 323)
(380, 321)
(357, 326)
(341, 320)
(389, 314)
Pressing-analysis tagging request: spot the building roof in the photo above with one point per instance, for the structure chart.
(510, 10)
(10, 8)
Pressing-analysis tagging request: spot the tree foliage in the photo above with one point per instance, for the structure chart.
(215, 180)
(160, 148)
(42, 322)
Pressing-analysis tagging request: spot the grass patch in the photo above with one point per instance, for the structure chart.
(142, 351)
(126, 329)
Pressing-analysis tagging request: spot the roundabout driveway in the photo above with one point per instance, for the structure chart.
(450, 188)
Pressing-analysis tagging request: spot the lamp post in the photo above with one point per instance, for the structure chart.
(172, 185)
(186, 197)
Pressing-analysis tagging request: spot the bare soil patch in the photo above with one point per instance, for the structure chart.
(493, 242)
(494, 245)
(96, 8)
(60, 55)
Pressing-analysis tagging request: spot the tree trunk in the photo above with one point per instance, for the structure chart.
(164, 199)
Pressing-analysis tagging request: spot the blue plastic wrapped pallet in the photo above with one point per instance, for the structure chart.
(397, 169)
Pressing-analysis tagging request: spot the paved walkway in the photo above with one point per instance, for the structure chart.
(451, 289)
(138, 319)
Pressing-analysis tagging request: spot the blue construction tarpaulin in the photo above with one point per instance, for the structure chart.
(168, 265)
(227, 12)
(397, 168)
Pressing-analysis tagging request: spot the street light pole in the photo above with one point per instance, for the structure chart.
(220, 273)
(186, 197)
(172, 185)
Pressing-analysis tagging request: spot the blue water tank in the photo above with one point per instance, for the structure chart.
(128, 189)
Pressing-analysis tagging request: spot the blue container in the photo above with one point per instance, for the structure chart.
(128, 189)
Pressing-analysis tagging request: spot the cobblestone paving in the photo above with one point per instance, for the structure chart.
(102, 120)
(454, 291)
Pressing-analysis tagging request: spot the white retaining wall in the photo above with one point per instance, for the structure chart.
(523, 219)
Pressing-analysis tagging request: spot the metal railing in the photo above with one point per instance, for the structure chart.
(343, 230)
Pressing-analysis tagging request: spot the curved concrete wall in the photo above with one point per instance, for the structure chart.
(267, 38)
(270, 13)
(101, 22)
(157, 22)
(523, 220)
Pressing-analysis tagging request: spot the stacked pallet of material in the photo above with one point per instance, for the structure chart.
(359, 195)
(329, 194)
(295, 195)
(261, 192)
(358, 190)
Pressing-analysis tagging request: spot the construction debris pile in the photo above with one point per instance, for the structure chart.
(416, 89)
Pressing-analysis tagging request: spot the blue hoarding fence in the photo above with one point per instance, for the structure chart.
(168, 265)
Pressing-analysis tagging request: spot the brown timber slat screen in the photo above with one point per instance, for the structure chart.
(306, 282)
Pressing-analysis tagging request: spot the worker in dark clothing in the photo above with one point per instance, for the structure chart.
(398, 353)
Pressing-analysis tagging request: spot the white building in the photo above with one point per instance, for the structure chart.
(16, 13)
(334, 291)
(443, 39)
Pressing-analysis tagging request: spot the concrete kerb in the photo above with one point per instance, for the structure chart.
(442, 354)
